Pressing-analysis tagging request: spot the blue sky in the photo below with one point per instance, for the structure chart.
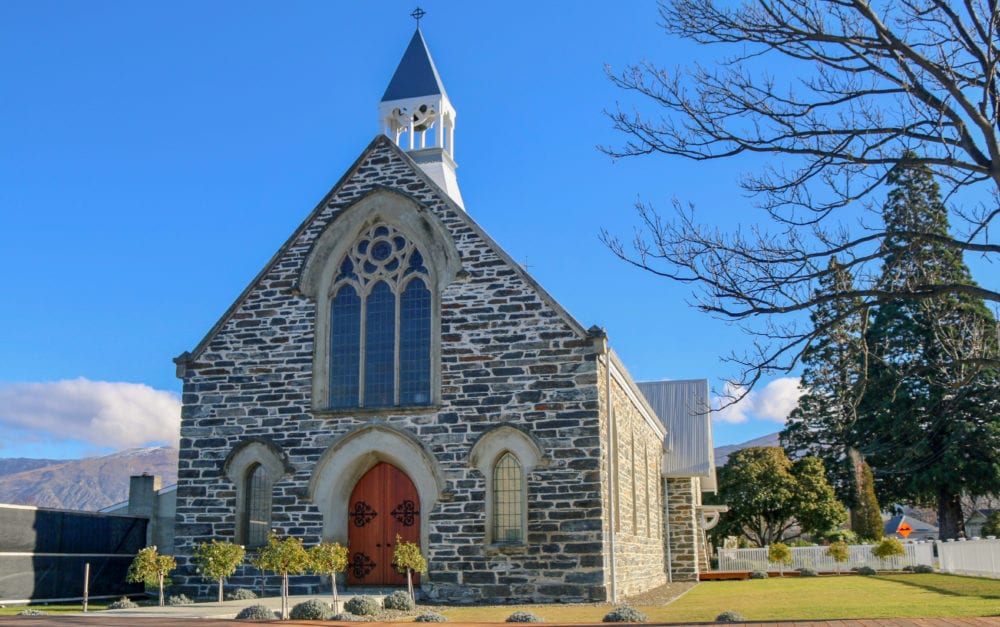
(153, 156)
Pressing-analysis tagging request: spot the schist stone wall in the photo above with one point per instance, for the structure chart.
(508, 356)
(636, 485)
(683, 530)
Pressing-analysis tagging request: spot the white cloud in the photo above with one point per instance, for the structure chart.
(106, 414)
(772, 402)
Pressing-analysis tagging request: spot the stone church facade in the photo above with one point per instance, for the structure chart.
(393, 371)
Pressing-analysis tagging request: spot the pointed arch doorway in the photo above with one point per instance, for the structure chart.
(384, 503)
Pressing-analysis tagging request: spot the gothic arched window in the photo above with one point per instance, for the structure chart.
(380, 324)
(257, 507)
(508, 501)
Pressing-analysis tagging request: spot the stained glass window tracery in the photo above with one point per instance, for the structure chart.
(380, 324)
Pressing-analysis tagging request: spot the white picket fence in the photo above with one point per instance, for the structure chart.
(815, 557)
(970, 557)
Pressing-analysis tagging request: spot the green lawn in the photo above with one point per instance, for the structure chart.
(811, 598)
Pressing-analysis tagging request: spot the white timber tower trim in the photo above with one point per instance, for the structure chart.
(416, 113)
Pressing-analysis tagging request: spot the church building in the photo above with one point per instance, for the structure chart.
(392, 372)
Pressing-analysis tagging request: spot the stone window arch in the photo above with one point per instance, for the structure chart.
(376, 274)
(254, 467)
(505, 456)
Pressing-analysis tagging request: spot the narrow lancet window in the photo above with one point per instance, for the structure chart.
(415, 344)
(345, 348)
(508, 501)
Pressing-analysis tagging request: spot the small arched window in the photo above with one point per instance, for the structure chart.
(508, 501)
(380, 324)
(257, 508)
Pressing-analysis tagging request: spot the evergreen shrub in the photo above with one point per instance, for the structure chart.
(867, 571)
(123, 604)
(179, 599)
(758, 574)
(807, 572)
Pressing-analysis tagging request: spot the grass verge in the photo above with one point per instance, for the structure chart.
(11, 610)
(793, 598)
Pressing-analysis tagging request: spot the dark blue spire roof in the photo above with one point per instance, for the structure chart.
(416, 75)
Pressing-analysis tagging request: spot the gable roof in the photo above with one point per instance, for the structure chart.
(416, 74)
(380, 143)
(918, 526)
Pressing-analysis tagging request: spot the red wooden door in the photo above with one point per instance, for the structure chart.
(384, 503)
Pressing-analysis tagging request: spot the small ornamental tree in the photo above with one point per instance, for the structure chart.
(150, 568)
(888, 548)
(218, 560)
(329, 558)
(407, 558)
(779, 553)
(285, 557)
(839, 551)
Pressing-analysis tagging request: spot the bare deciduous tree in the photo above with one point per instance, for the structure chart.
(832, 94)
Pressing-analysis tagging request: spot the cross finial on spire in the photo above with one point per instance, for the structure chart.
(417, 14)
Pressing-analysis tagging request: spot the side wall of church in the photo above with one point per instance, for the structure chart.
(634, 483)
(682, 533)
(507, 358)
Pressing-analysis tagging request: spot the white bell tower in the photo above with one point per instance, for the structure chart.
(416, 113)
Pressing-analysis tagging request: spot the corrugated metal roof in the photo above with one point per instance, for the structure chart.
(683, 408)
(416, 75)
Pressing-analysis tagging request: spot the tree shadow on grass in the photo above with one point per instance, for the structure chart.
(959, 590)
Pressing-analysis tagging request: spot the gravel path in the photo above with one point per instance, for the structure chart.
(664, 594)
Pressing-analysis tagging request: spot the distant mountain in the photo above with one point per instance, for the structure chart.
(722, 453)
(14, 465)
(84, 484)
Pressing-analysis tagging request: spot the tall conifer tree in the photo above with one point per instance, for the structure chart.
(833, 382)
(930, 418)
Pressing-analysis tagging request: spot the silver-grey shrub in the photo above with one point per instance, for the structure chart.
(363, 606)
(179, 599)
(312, 609)
(729, 616)
(123, 604)
(32, 612)
(241, 594)
(430, 617)
(399, 600)
(625, 614)
(347, 617)
(256, 612)
(524, 617)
